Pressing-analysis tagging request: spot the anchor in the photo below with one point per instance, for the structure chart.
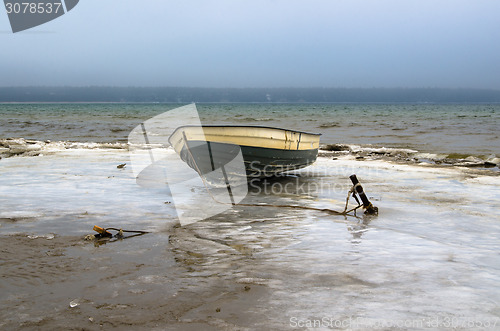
(358, 189)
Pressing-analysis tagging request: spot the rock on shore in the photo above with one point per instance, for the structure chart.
(26, 147)
(20, 146)
(408, 156)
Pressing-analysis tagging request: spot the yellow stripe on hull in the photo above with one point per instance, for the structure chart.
(253, 136)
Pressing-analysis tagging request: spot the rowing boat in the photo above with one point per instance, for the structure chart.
(266, 151)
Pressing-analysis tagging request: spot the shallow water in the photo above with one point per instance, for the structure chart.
(431, 255)
(73, 189)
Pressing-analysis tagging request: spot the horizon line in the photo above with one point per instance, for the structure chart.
(248, 88)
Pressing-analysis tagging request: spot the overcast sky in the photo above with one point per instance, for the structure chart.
(260, 43)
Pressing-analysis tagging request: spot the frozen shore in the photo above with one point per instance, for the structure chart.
(431, 256)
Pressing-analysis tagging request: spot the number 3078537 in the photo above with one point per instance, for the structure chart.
(33, 7)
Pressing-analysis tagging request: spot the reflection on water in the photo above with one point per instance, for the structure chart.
(418, 260)
(431, 252)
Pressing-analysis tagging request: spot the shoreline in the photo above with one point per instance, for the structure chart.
(249, 268)
(15, 147)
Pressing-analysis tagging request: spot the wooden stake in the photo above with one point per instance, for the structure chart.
(358, 189)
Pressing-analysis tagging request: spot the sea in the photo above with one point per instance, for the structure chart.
(434, 128)
(430, 259)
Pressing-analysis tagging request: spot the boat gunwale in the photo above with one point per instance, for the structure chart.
(244, 126)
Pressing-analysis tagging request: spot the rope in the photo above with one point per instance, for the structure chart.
(104, 234)
(326, 210)
(131, 231)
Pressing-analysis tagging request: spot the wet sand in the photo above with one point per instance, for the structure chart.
(123, 285)
(431, 254)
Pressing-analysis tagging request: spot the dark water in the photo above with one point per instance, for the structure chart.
(470, 129)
